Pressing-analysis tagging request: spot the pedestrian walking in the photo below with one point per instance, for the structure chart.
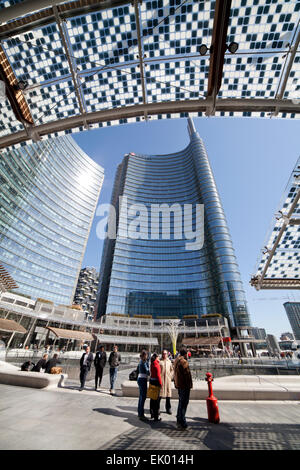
(167, 372)
(144, 372)
(85, 366)
(155, 379)
(99, 363)
(183, 383)
(41, 364)
(114, 362)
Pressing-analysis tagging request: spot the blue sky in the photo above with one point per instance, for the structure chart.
(251, 159)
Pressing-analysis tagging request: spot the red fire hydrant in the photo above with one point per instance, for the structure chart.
(212, 402)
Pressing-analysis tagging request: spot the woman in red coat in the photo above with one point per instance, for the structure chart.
(155, 379)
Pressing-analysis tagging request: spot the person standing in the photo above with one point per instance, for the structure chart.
(142, 380)
(155, 379)
(166, 368)
(99, 363)
(114, 362)
(183, 383)
(85, 366)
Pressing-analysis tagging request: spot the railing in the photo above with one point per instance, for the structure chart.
(244, 363)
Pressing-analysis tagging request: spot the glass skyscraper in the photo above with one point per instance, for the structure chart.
(160, 277)
(49, 192)
(293, 313)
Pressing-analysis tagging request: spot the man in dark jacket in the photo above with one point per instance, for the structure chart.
(99, 363)
(114, 362)
(41, 364)
(183, 383)
(52, 363)
(85, 366)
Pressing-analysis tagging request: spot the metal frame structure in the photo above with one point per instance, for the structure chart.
(153, 109)
(261, 281)
(29, 15)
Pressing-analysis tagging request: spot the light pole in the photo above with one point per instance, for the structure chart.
(173, 330)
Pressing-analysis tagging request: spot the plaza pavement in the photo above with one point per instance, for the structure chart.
(66, 419)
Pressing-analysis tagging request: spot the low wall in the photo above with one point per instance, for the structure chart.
(11, 375)
(70, 366)
(238, 387)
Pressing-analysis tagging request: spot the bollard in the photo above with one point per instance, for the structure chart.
(212, 402)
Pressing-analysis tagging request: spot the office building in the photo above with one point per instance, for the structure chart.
(293, 313)
(159, 275)
(49, 192)
(86, 290)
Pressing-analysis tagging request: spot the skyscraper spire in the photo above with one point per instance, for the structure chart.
(191, 127)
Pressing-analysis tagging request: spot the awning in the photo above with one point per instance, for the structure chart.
(71, 334)
(212, 340)
(142, 340)
(11, 326)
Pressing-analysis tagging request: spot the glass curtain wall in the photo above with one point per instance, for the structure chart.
(160, 277)
(49, 192)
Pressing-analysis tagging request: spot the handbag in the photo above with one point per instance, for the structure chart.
(56, 370)
(153, 392)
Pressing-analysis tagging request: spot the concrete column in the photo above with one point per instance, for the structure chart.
(31, 330)
(10, 339)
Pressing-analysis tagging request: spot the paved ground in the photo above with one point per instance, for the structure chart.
(69, 419)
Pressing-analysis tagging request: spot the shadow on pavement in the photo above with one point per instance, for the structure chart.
(202, 435)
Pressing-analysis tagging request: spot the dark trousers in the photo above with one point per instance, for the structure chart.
(168, 403)
(142, 383)
(154, 408)
(83, 375)
(184, 397)
(98, 376)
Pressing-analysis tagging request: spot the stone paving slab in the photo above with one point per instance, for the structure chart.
(33, 419)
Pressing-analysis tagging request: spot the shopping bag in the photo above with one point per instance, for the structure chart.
(153, 392)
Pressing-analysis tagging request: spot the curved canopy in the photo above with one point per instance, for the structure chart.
(11, 326)
(81, 64)
(71, 334)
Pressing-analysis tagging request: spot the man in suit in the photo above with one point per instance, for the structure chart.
(51, 363)
(99, 363)
(85, 366)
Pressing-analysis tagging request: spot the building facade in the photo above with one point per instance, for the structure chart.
(38, 324)
(49, 192)
(293, 313)
(86, 290)
(157, 275)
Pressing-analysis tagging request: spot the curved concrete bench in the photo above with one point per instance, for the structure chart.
(12, 375)
(237, 387)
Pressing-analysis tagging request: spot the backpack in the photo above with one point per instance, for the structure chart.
(134, 374)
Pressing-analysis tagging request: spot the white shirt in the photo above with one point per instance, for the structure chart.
(85, 358)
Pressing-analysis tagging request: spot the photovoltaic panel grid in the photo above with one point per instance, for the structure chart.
(146, 53)
(280, 267)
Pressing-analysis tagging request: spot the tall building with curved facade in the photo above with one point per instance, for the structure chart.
(49, 192)
(158, 276)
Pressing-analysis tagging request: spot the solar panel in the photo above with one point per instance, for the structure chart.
(279, 266)
(96, 66)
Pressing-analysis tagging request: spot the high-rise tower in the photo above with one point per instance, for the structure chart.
(160, 277)
(49, 192)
